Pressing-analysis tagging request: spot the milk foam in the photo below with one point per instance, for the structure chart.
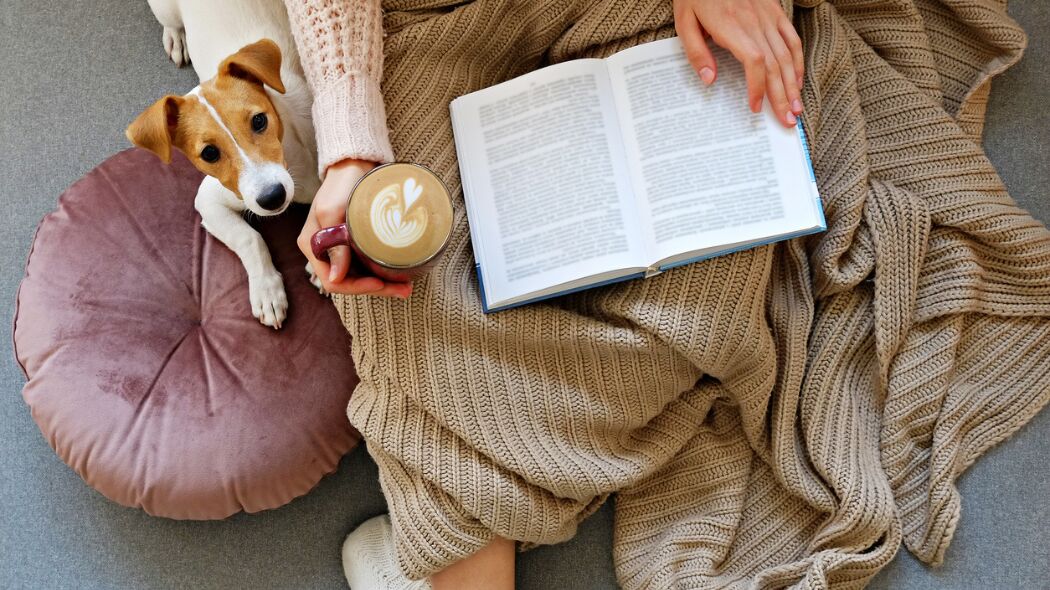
(395, 221)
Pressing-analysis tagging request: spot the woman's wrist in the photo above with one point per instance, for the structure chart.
(341, 178)
(349, 168)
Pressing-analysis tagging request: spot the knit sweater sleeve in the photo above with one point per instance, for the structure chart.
(340, 46)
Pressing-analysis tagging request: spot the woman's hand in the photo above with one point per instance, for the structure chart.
(328, 210)
(756, 32)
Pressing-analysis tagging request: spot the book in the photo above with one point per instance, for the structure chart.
(594, 171)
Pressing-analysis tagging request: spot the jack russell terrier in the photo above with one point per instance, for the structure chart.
(247, 126)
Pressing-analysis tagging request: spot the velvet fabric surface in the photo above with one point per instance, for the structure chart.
(146, 371)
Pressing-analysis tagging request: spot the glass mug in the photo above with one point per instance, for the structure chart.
(398, 221)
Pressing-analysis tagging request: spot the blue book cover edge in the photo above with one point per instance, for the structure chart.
(812, 174)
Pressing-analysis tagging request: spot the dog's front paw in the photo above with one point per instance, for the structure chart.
(315, 280)
(269, 302)
(175, 46)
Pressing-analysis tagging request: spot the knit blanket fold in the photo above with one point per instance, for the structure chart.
(785, 416)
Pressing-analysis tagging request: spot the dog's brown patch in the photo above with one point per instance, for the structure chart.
(237, 95)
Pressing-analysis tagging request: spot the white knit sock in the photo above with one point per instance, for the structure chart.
(369, 561)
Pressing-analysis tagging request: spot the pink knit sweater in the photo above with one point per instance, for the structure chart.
(341, 49)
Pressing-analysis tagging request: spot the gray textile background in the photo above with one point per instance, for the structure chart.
(73, 74)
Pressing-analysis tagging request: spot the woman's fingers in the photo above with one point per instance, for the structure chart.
(738, 30)
(696, 50)
(794, 45)
(754, 61)
(780, 84)
(353, 285)
(765, 77)
(775, 90)
(781, 66)
(339, 260)
(339, 256)
(363, 285)
(402, 290)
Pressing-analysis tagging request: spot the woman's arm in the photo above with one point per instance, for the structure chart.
(341, 49)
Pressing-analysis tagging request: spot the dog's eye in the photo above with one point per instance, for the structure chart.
(259, 123)
(210, 154)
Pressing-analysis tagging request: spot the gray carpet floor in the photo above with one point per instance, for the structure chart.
(73, 74)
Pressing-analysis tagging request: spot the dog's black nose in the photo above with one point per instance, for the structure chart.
(272, 198)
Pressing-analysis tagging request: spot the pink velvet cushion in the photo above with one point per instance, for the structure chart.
(146, 371)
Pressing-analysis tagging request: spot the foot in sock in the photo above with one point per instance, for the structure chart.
(369, 560)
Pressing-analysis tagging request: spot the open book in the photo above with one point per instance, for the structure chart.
(600, 170)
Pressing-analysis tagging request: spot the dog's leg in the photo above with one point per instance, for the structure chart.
(174, 36)
(220, 213)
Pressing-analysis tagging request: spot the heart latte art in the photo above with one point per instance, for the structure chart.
(395, 222)
(399, 216)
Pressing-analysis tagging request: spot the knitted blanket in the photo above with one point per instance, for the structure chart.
(784, 416)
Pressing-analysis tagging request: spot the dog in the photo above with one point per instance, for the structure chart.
(247, 127)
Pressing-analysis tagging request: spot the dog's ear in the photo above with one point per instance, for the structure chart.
(154, 129)
(259, 62)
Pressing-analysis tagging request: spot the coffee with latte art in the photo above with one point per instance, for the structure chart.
(400, 215)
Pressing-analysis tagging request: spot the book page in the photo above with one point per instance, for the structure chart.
(707, 171)
(548, 198)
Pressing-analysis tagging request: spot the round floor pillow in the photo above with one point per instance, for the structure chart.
(146, 371)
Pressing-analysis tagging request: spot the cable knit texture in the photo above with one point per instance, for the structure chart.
(341, 48)
(784, 416)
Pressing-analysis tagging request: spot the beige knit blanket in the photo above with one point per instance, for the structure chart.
(784, 416)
